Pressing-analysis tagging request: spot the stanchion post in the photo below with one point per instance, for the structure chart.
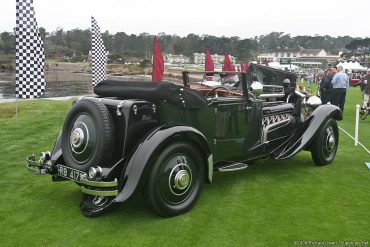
(356, 127)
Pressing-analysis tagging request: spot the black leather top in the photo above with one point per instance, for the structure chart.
(152, 91)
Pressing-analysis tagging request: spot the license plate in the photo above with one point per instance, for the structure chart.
(70, 173)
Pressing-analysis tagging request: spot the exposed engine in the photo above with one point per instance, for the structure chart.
(277, 118)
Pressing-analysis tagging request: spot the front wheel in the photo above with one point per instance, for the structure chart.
(176, 180)
(325, 145)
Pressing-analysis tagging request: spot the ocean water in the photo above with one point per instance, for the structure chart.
(59, 84)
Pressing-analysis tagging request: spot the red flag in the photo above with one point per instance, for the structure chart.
(258, 61)
(246, 67)
(242, 67)
(266, 62)
(158, 62)
(209, 66)
(227, 63)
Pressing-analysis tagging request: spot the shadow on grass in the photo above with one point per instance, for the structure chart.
(137, 209)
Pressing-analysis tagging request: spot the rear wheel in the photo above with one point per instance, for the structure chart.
(325, 145)
(176, 180)
(88, 136)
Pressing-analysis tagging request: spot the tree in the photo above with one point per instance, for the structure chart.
(358, 49)
(43, 33)
(7, 42)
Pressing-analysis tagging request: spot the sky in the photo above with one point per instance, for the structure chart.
(244, 19)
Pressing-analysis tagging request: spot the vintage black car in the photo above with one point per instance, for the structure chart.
(168, 139)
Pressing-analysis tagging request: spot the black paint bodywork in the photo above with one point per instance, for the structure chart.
(226, 129)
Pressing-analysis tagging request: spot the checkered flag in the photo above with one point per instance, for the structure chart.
(99, 55)
(30, 57)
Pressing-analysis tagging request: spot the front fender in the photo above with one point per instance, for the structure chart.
(304, 135)
(148, 146)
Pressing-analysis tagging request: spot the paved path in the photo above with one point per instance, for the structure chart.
(54, 98)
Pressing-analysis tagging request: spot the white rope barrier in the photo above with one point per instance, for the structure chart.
(355, 140)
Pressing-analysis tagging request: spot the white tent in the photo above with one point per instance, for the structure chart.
(352, 66)
(277, 65)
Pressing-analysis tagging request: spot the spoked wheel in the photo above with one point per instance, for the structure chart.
(325, 145)
(176, 180)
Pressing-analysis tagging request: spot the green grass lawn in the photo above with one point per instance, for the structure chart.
(272, 203)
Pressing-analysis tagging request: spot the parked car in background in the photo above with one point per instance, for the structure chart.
(355, 80)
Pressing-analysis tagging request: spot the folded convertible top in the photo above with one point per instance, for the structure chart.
(151, 91)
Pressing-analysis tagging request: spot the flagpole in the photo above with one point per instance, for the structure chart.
(16, 109)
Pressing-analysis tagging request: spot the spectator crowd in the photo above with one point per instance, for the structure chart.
(333, 85)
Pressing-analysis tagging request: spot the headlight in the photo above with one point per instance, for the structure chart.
(257, 88)
(314, 101)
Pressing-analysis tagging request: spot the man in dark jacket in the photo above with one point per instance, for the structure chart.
(326, 87)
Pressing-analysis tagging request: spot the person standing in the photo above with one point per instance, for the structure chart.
(365, 87)
(326, 87)
(340, 84)
(309, 80)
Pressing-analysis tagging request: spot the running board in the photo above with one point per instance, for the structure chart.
(231, 167)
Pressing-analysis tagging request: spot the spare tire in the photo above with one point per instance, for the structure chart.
(88, 136)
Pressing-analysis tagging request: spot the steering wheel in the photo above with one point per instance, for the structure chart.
(214, 90)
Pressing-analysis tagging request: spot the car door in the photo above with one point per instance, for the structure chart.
(237, 127)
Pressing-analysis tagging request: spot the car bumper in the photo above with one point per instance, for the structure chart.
(88, 186)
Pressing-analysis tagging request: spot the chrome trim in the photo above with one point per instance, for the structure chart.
(100, 192)
(134, 108)
(77, 137)
(34, 166)
(274, 125)
(100, 184)
(35, 170)
(87, 141)
(31, 160)
(271, 95)
(119, 108)
(97, 172)
(182, 179)
(330, 140)
(210, 168)
(44, 156)
(227, 169)
(177, 177)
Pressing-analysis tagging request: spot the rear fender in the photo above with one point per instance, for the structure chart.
(304, 135)
(155, 141)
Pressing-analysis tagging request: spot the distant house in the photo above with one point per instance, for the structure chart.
(301, 57)
(200, 58)
(176, 59)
